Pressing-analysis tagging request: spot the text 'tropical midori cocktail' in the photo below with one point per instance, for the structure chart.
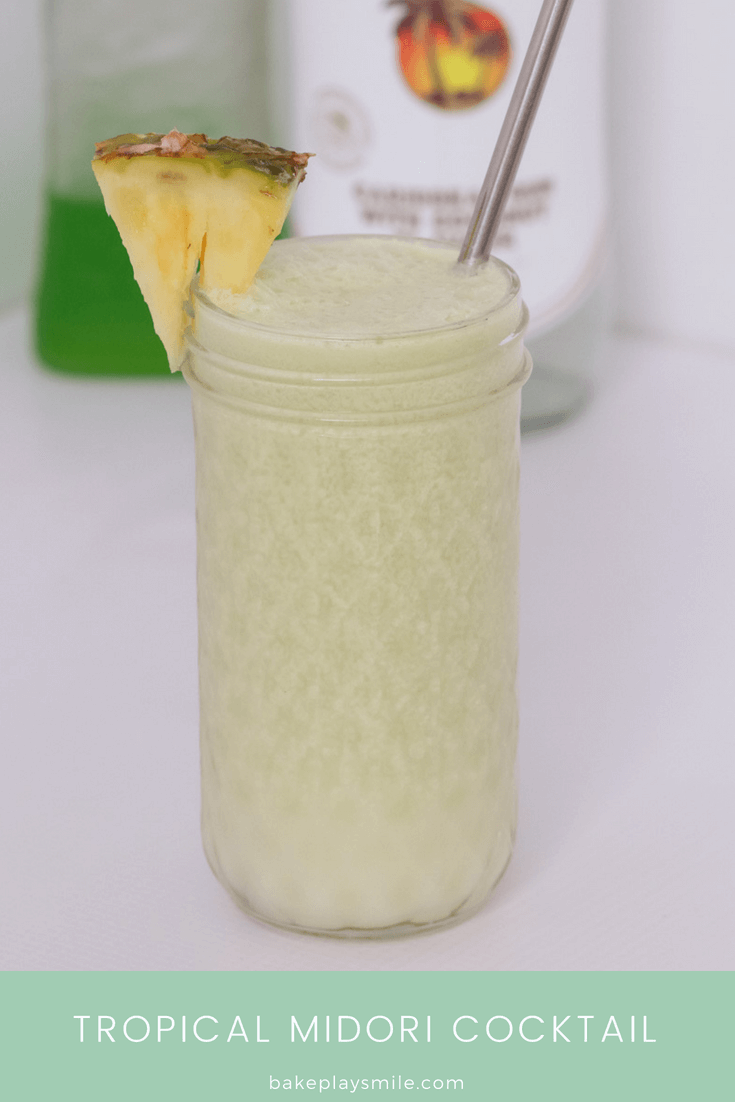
(356, 420)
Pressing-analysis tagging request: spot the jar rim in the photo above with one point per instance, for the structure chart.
(245, 324)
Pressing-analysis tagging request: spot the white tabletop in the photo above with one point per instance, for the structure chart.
(624, 854)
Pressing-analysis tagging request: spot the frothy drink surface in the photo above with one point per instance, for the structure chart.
(364, 287)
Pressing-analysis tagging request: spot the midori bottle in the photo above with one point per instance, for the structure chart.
(402, 103)
(142, 65)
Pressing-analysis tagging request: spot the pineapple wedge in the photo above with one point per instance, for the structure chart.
(180, 200)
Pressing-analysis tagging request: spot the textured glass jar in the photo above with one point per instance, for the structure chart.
(357, 512)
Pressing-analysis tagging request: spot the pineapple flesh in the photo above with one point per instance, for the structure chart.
(182, 200)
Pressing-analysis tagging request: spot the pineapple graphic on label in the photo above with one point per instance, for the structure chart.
(452, 54)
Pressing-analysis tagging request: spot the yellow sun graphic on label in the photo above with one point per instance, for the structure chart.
(452, 54)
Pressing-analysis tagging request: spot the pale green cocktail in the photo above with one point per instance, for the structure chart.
(356, 420)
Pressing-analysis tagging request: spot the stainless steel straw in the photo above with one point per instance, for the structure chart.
(514, 133)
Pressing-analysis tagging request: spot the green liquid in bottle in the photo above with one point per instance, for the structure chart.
(91, 318)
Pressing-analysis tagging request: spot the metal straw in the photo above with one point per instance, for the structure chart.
(514, 133)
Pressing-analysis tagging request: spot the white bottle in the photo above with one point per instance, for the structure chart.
(402, 103)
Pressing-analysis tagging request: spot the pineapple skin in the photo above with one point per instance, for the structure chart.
(207, 204)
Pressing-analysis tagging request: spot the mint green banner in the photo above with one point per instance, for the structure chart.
(260, 1035)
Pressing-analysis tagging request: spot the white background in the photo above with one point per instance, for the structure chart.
(624, 855)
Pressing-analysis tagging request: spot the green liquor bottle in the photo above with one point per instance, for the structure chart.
(128, 65)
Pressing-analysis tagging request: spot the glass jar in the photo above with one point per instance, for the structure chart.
(357, 518)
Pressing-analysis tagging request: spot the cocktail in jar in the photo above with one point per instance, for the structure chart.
(356, 417)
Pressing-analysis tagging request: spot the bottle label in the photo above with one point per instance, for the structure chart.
(402, 103)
